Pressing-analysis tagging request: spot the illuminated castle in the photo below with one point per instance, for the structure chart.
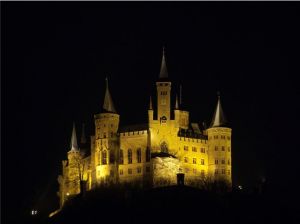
(153, 153)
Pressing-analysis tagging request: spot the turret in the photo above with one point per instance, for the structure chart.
(106, 141)
(219, 143)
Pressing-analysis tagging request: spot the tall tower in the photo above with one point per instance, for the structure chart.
(219, 143)
(163, 86)
(105, 153)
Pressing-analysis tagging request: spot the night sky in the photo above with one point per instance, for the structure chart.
(55, 57)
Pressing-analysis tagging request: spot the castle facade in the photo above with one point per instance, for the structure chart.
(153, 153)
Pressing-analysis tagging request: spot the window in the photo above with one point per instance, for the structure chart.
(147, 169)
(202, 173)
(216, 137)
(223, 161)
(202, 161)
(111, 157)
(129, 156)
(99, 158)
(104, 157)
(129, 171)
(121, 172)
(228, 162)
(139, 155)
(185, 159)
(223, 171)
(194, 149)
(194, 161)
(202, 150)
(187, 170)
(121, 161)
(216, 171)
(104, 135)
(228, 172)
(216, 161)
(186, 148)
(139, 169)
(228, 138)
(148, 154)
(223, 148)
(216, 148)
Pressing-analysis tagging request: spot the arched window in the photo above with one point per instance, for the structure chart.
(139, 155)
(121, 159)
(148, 154)
(104, 157)
(129, 156)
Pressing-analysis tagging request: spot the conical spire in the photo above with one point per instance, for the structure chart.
(176, 103)
(219, 119)
(74, 145)
(150, 104)
(83, 138)
(108, 104)
(163, 68)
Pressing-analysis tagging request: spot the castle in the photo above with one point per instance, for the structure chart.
(154, 153)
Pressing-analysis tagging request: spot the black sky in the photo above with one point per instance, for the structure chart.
(55, 57)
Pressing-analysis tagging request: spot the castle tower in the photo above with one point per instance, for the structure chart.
(219, 146)
(163, 86)
(105, 153)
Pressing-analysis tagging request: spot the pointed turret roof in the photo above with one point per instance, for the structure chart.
(150, 104)
(108, 104)
(176, 103)
(74, 145)
(163, 67)
(219, 119)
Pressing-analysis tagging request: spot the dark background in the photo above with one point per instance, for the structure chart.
(55, 57)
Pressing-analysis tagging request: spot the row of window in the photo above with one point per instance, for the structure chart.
(222, 148)
(223, 171)
(138, 170)
(186, 160)
(194, 149)
(202, 172)
(222, 161)
(121, 156)
(193, 140)
(221, 137)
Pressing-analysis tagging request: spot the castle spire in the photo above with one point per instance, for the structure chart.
(163, 68)
(108, 104)
(176, 103)
(219, 119)
(74, 145)
(83, 138)
(150, 104)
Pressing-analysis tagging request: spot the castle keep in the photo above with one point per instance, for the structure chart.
(152, 153)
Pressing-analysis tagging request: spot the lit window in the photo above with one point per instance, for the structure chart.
(186, 148)
(194, 161)
(202, 173)
(129, 156)
(139, 155)
(129, 171)
(216, 161)
(223, 148)
(121, 172)
(104, 157)
(139, 170)
(194, 149)
(185, 159)
(202, 161)
(223, 161)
